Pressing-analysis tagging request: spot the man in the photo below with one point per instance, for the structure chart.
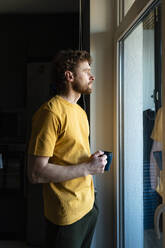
(59, 155)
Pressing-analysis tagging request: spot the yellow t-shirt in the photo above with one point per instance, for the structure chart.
(60, 131)
(157, 130)
(157, 136)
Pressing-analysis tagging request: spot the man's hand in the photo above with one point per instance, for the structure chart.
(96, 163)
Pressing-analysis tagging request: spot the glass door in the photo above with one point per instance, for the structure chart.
(140, 132)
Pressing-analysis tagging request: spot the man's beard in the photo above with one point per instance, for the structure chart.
(81, 89)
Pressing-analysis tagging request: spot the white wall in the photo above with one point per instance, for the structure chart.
(101, 116)
(127, 5)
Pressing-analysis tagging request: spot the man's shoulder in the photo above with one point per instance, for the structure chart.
(53, 105)
(60, 107)
(49, 108)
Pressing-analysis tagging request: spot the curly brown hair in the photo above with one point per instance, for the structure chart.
(66, 60)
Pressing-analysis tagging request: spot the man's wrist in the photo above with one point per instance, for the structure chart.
(84, 169)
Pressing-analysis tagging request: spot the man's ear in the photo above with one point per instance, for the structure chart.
(69, 76)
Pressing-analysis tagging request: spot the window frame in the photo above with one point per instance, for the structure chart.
(123, 25)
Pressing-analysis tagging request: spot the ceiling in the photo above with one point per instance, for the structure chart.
(38, 6)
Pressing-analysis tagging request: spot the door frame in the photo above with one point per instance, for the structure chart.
(136, 11)
(163, 97)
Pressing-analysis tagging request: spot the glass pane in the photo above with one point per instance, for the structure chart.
(127, 5)
(141, 175)
(133, 137)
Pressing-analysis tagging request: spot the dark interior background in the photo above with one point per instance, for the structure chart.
(30, 38)
(28, 41)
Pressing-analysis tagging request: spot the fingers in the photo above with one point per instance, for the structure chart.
(98, 153)
(100, 157)
(102, 160)
(99, 162)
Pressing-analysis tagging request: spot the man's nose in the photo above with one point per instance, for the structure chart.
(92, 77)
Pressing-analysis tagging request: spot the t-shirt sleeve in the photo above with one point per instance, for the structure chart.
(157, 130)
(44, 134)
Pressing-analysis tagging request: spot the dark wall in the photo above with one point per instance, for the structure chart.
(30, 38)
(25, 39)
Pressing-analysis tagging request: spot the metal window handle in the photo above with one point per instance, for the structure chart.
(159, 210)
(1, 161)
(155, 95)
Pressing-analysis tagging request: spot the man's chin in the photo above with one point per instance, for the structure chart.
(87, 92)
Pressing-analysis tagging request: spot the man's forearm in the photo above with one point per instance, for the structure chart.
(41, 171)
(57, 173)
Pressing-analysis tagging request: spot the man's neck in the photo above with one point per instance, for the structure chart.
(72, 98)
